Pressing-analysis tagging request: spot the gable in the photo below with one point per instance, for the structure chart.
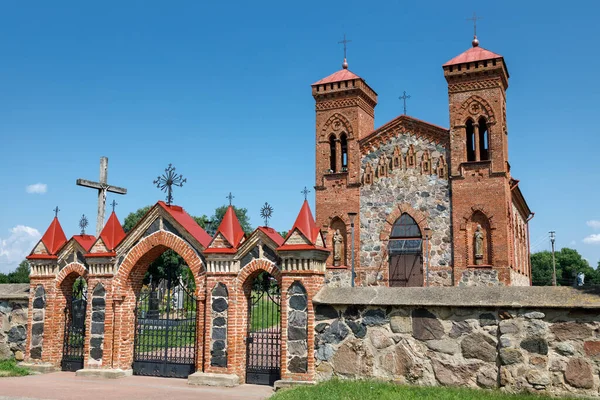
(40, 248)
(99, 247)
(220, 242)
(297, 238)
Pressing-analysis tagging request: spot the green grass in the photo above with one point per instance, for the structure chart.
(265, 314)
(10, 368)
(364, 390)
(156, 339)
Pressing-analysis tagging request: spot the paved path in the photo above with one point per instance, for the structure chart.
(66, 386)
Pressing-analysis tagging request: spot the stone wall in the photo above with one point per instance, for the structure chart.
(549, 348)
(98, 319)
(297, 335)
(423, 190)
(338, 277)
(13, 320)
(218, 342)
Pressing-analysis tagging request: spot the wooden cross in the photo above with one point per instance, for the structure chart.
(344, 42)
(404, 97)
(474, 19)
(102, 187)
(230, 197)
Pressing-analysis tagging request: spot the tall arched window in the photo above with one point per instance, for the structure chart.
(344, 143)
(332, 153)
(405, 249)
(483, 140)
(470, 140)
(405, 227)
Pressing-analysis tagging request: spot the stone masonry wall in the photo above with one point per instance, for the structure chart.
(297, 335)
(537, 350)
(218, 342)
(13, 328)
(37, 326)
(424, 191)
(98, 319)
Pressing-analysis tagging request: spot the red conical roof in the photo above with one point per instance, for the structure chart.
(230, 228)
(305, 223)
(113, 232)
(54, 238)
(475, 53)
(86, 241)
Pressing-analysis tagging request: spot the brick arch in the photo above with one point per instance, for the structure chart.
(346, 127)
(420, 218)
(146, 251)
(464, 111)
(254, 268)
(474, 209)
(74, 267)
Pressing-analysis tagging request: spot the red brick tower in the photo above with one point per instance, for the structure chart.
(345, 109)
(482, 190)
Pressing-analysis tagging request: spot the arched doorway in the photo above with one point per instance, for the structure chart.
(263, 339)
(405, 249)
(74, 318)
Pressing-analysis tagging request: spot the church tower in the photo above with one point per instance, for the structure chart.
(345, 112)
(486, 204)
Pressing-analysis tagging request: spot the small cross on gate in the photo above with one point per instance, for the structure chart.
(102, 188)
(83, 223)
(404, 97)
(166, 181)
(474, 18)
(56, 210)
(266, 212)
(230, 197)
(114, 204)
(305, 192)
(345, 42)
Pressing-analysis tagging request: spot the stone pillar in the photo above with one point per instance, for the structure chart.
(218, 320)
(38, 316)
(476, 137)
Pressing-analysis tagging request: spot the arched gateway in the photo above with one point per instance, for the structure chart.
(221, 309)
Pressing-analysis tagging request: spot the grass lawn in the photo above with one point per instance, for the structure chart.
(363, 390)
(264, 314)
(10, 368)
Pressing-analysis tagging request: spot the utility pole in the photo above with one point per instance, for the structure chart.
(552, 240)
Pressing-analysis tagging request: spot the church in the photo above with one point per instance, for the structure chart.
(432, 206)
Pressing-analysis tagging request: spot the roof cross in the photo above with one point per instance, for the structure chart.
(266, 212)
(404, 97)
(305, 192)
(474, 18)
(102, 188)
(114, 204)
(345, 42)
(230, 197)
(83, 223)
(56, 210)
(166, 181)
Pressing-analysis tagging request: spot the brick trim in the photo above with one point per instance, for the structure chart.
(73, 267)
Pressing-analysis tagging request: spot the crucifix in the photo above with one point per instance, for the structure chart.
(102, 188)
(305, 192)
(404, 97)
(345, 42)
(474, 19)
(230, 197)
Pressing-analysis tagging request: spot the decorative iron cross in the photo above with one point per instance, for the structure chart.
(345, 42)
(305, 192)
(230, 197)
(166, 181)
(474, 19)
(56, 210)
(102, 188)
(114, 204)
(404, 97)
(83, 223)
(266, 212)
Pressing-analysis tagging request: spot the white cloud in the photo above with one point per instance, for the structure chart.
(15, 247)
(592, 239)
(594, 224)
(37, 188)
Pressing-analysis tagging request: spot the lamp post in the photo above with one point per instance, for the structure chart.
(351, 216)
(552, 240)
(427, 237)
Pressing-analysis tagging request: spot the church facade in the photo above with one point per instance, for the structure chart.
(434, 206)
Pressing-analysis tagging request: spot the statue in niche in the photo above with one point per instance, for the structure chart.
(478, 241)
(337, 248)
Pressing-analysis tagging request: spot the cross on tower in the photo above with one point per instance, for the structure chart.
(230, 197)
(305, 192)
(102, 188)
(345, 42)
(474, 18)
(166, 181)
(114, 204)
(56, 210)
(404, 97)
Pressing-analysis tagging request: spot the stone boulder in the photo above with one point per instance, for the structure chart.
(353, 359)
(426, 326)
(480, 346)
(579, 374)
(449, 374)
(570, 331)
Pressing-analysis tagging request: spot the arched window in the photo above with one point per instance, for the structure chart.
(405, 249)
(483, 140)
(470, 140)
(332, 153)
(405, 227)
(344, 143)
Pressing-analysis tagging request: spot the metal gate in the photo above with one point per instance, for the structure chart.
(165, 329)
(74, 333)
(263, 342)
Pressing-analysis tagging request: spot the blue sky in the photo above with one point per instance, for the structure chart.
(222, 91)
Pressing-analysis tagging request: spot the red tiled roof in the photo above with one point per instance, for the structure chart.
(272, 233)
(107, 254)
(220, 250)
(298, 247)
(41, 256)
(305, 223)
(113, 232)
(54, 238)
(188, 223)
(339, 76)
(86, 241)
(230, 228)
(473, 54)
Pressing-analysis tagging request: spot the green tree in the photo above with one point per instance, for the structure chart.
(133, 218)
(242, 216)
(568, 264)
(19, 275)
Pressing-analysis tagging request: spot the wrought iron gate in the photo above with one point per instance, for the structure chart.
(263, 342)
(165, 330)
(74, 333)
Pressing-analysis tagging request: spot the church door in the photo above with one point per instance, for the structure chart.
(405, 250)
